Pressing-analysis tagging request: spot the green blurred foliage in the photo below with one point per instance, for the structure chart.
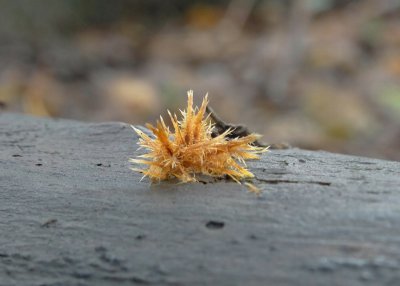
(390, 99)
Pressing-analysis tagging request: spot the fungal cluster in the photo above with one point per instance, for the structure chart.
(191, 149)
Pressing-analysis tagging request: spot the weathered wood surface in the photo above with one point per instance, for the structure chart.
(72, 213)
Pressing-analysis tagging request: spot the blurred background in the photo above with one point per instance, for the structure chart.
(319, 74)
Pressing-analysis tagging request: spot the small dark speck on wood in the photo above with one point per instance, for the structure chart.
(213, 224)
(49, 223)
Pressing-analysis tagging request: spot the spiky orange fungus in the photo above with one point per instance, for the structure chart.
(191, 150)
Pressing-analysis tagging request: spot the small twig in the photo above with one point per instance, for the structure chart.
(238, 131)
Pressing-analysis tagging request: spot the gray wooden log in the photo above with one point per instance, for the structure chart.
(72, 213)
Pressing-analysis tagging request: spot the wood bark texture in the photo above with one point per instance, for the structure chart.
(72, 213)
